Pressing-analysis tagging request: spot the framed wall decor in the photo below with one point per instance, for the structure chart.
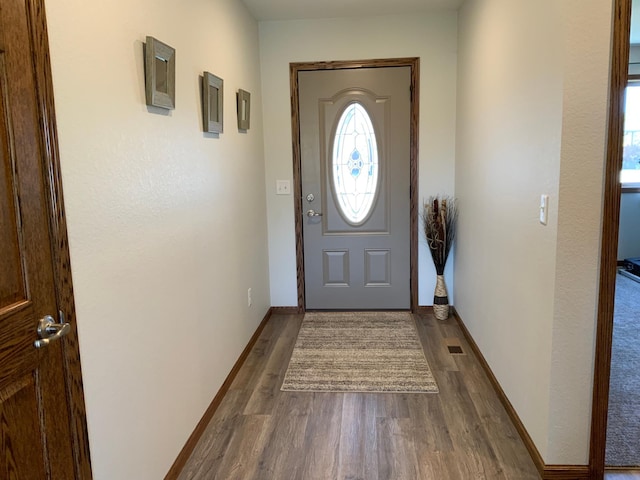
(160, 74)
(244, 109)
(212, 101)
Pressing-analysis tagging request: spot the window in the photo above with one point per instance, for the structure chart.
(630, 173)
(355, 164)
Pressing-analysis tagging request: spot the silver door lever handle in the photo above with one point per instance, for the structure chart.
(313, 213)
(49, 330)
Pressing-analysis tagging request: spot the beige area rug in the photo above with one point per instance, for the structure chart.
(359, 352)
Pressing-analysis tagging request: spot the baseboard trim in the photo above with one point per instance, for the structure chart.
(284, 310)
(191, 443)
(566, 472)
(547, 472)
(423, 309)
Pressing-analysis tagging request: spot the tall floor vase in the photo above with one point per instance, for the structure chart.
(440, 299)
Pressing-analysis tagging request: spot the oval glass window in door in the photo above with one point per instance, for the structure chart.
(354, 165)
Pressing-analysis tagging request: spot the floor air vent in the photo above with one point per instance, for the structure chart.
(455, 350)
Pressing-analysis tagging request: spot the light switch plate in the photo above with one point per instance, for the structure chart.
(283, 187)
(544, 209)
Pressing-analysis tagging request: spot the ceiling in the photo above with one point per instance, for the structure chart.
(300, 9)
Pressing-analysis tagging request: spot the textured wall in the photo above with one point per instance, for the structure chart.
(586, 58)
(531, 120)
(167, 225)
(508, 154)
(432, 38)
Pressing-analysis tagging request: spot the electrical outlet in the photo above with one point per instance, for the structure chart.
(249, 300)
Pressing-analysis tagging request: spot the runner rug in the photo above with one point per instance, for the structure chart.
(623, 426)
(359, 352)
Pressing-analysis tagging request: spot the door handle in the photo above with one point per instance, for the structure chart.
(313, 213)
(49, 331)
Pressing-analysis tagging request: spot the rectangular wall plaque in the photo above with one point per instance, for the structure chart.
(212, 101)
(160, 74)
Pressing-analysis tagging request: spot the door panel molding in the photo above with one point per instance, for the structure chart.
(14, 280)
(58, 227)
(335, 268)
(294, 68)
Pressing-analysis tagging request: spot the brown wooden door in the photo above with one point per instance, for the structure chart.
(36, 439)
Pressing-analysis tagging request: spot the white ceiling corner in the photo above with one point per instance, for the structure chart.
(305, 9)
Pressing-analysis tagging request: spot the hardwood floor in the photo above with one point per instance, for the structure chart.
(259, 432)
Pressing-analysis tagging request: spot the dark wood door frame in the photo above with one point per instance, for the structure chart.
(58, 227)
(610, 225)
(294, 68)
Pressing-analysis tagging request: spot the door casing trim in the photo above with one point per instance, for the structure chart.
(609, 239)
(59, 239)
(294, 68)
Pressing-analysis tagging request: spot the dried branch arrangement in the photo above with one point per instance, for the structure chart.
(439, 217)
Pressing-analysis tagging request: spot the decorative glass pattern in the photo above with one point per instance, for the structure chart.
(354, 165)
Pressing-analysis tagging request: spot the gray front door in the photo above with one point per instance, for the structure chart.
(355, 151)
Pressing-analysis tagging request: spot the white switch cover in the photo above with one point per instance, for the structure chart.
(544, 208)
(283, 187)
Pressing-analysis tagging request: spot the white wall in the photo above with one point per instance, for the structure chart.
(629, 231)
(508, 151)
(629, 228)
(167, 224)
(587, 27)
(532, 120)
(432, 37)
(634, 50)
(629, 235)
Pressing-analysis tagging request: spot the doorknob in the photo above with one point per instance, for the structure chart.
(49, 330)
(313, 213)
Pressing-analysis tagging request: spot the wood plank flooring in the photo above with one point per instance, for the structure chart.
(259, 432)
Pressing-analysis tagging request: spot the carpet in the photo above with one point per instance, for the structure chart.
(358, 352)
(623, 427)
